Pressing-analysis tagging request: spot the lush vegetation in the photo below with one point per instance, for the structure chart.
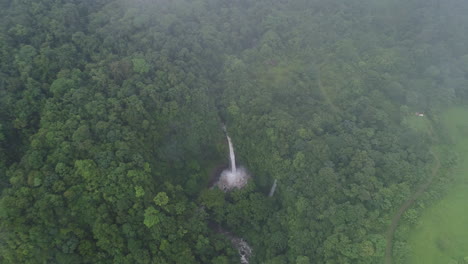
(111, 113)
(440, 233)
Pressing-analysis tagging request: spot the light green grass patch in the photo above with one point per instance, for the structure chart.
(441, 236)
(418, 123)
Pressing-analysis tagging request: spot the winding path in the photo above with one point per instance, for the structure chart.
(397, 216)
(334, 108)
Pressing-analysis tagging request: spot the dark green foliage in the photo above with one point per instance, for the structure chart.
(111, 113)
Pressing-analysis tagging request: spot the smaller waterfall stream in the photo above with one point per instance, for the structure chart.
(273, 189)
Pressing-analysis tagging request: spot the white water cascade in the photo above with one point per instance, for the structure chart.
(273, 189)
(231, 155)
(234, 177)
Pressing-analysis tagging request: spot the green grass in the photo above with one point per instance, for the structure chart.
(441, 236)
(418, 123)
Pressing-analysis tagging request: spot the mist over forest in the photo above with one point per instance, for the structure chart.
(348, 122)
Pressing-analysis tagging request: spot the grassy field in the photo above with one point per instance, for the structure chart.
(442, 234)
(420, 124)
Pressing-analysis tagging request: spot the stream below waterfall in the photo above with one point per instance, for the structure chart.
(230, 178)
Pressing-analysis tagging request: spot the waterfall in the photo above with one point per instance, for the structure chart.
(228, 180)
(272, 190)
(231, 155)
(235, 177)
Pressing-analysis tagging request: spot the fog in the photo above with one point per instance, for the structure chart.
(344, 139)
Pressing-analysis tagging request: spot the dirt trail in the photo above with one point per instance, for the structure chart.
(397, 216)
(327, 98)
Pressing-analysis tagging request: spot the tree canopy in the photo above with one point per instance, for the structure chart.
(111, 115)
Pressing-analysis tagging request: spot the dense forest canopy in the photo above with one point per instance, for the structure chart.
(111, 114)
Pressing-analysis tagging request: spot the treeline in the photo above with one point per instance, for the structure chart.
(111, 117)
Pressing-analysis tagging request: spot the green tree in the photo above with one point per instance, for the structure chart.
(151, 217)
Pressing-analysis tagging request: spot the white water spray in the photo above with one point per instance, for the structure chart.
(235, 177)
(229, 179)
